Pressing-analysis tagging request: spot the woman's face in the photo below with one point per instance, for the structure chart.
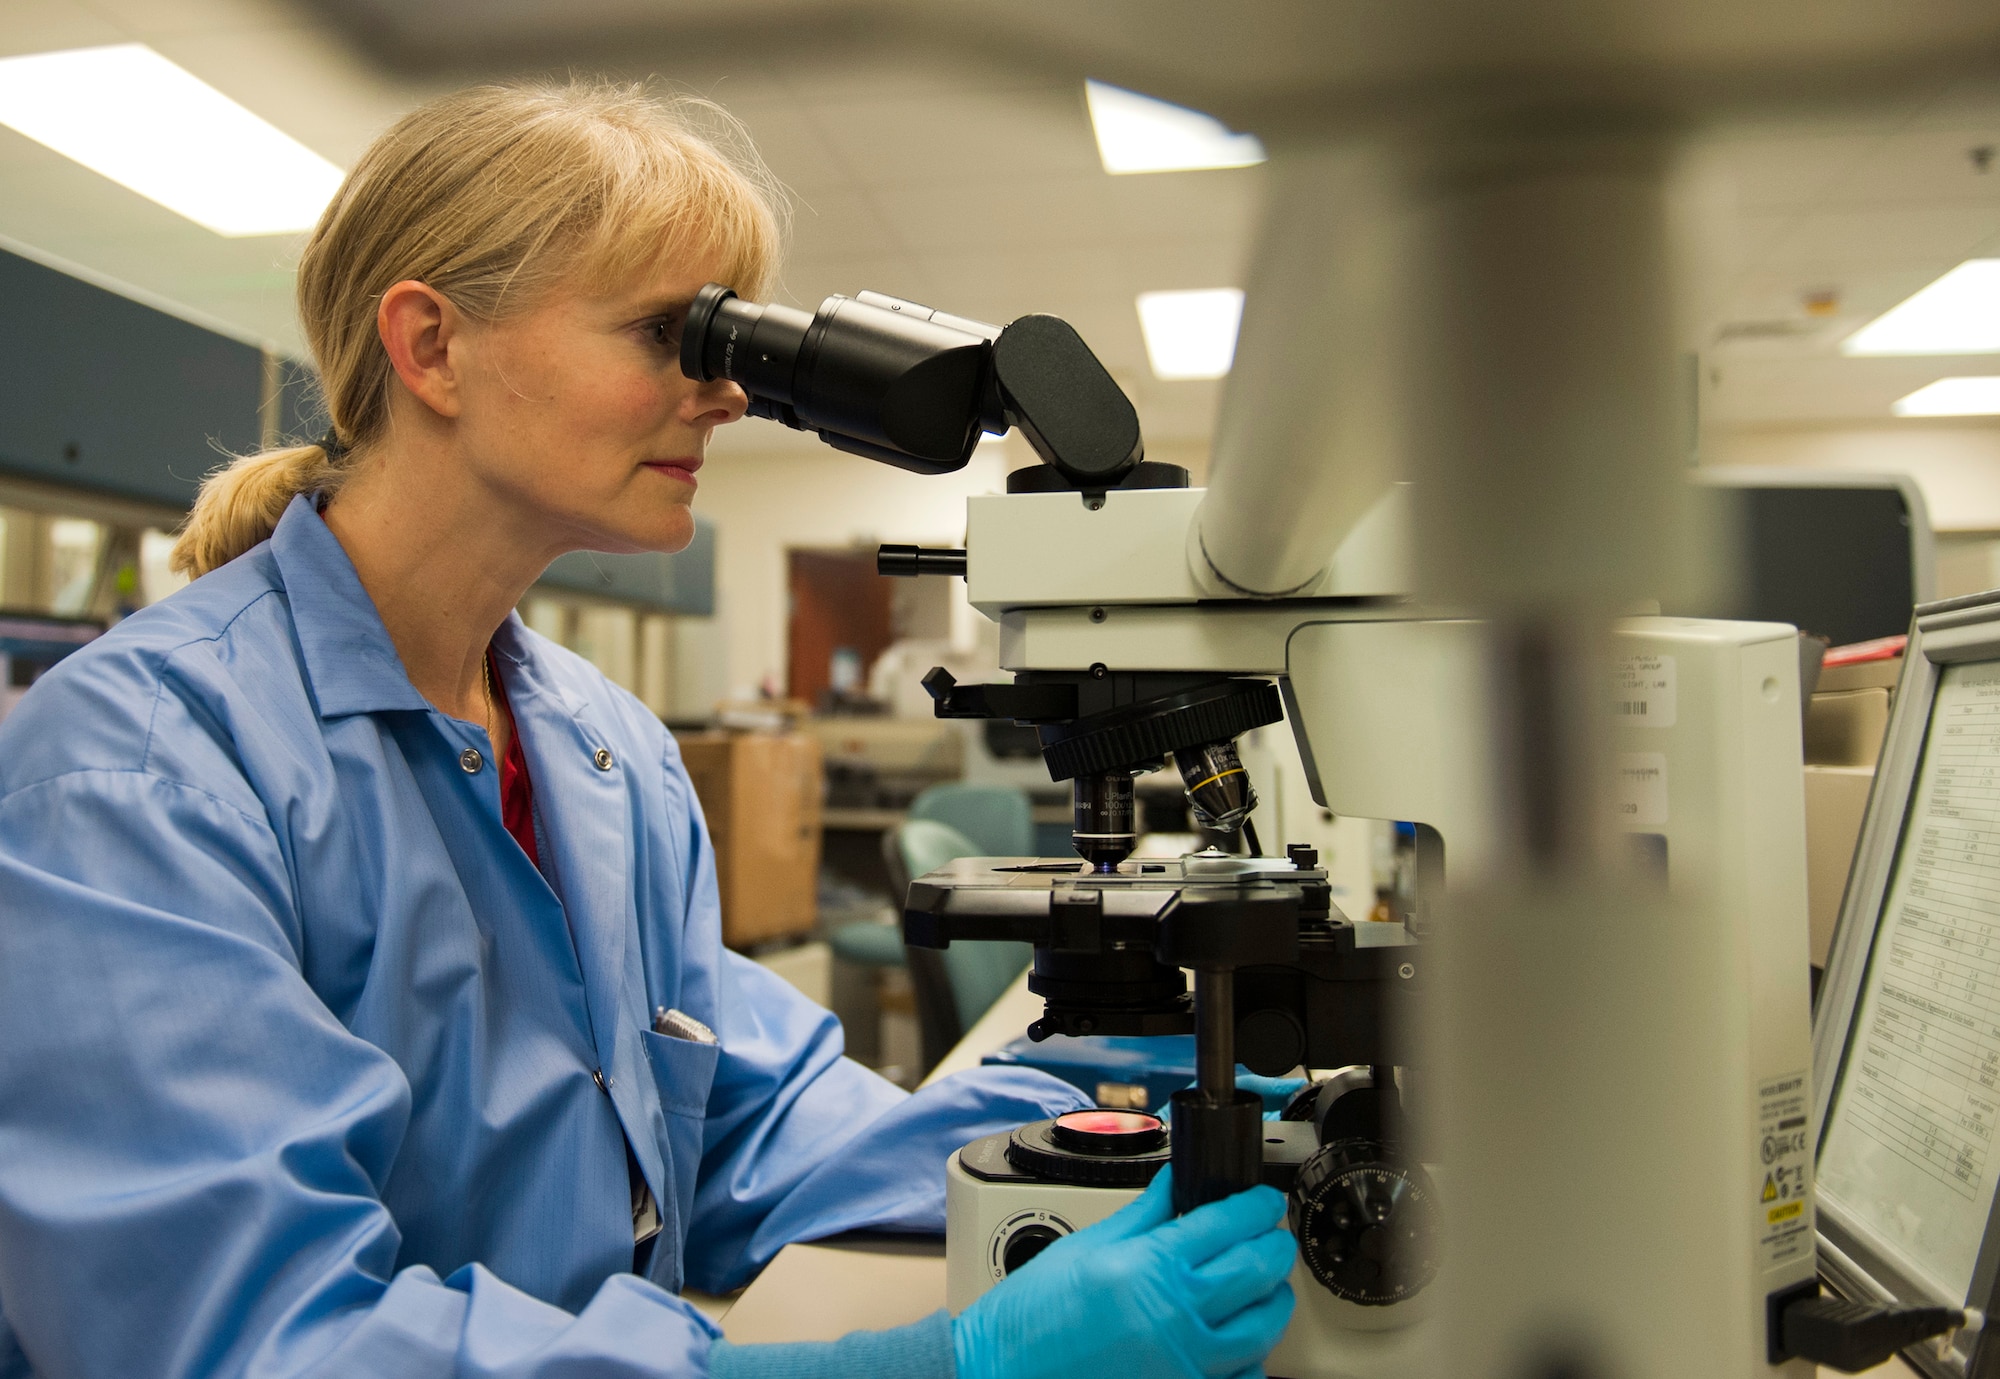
(579, 409)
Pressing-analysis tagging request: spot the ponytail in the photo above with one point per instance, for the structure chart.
(240, 504)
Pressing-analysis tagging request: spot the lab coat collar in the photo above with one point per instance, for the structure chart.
(350, 662)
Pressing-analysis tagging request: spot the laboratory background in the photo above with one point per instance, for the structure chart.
(1823, 277)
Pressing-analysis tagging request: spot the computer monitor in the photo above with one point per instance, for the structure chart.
(1906, 1037)
(1844, 556)
(32, 642)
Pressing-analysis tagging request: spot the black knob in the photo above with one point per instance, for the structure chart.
(1024, 1244)
(909, 561)
(1366, 1222)
(1303, 857)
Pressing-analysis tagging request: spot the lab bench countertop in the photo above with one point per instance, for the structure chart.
(867, 1282)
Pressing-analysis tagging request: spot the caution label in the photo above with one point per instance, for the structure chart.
(1784, 1164)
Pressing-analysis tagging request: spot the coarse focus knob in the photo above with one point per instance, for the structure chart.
(1366, 1222)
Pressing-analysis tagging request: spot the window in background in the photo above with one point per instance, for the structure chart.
(156, 577)
(655, 686)
(608, 638)
(18, 550)
(74, 544)
(670, 663)
(550, 617)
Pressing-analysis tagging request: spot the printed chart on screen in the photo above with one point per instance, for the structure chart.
(1909, 1149)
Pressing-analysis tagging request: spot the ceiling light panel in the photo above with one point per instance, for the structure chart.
(131, 115)
(1957, 314)
(1953, 397)
(1191, 334)
(1136, 133)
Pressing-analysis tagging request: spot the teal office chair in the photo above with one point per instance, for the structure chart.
(957, 985)
(995, 817)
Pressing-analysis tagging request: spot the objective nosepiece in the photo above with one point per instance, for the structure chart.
(1218, 788)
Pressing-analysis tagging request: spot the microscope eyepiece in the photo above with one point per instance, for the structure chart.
(753, 345)
(872, 375)
(914, 387)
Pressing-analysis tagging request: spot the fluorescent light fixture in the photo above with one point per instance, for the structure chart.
(1953, 397)
(147, 124)
(1191, 334)
(1136, 133)
(1957, 314)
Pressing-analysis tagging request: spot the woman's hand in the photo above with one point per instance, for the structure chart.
(1142, 1294)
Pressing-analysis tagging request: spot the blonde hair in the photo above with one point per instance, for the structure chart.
(493, 196)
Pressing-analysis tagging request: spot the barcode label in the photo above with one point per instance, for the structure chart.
(1642, 691)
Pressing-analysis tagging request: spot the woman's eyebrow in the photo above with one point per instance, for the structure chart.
(665, 306)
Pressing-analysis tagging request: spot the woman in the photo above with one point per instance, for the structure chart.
(362, 1004)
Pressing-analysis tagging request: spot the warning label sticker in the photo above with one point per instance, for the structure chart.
(1784, 1166)
(1642, 691)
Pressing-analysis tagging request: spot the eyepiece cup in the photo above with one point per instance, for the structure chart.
(694, 334)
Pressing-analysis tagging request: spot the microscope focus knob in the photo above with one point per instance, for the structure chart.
(1366, 1222)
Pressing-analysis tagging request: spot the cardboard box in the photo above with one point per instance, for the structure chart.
(1845, 727)
(1836, 798)
(761, 794)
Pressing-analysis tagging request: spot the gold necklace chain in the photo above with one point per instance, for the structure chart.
(486, 684)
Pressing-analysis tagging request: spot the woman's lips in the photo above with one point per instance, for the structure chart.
(681, 467)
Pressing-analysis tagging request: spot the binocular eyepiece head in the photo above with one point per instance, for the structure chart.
(916, 388)
(873, 375)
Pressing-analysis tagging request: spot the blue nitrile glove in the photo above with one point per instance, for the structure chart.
(1275, 1092)
(1142, 1295)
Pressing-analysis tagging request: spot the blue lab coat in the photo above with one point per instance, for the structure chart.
(300, 1055)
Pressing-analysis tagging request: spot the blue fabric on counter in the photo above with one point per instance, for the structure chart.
(1161, 1063)
(305, 1068)
(921, 1350)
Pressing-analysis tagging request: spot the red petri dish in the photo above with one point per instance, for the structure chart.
(1109, 1132)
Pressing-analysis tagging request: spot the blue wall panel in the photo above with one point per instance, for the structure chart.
(101, 392)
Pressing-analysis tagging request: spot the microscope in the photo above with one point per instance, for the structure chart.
(1129, 650)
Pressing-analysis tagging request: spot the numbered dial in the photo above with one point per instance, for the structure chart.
(1366, 1222)
(1021, 1237)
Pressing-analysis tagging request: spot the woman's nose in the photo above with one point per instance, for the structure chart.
(720, 401)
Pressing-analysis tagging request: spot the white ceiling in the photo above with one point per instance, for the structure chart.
(972, 183)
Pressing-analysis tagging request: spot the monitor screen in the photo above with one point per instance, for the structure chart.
(1908, 1153)
(30, 643)
(1835, 562)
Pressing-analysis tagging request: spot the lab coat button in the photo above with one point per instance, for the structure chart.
(603, 1082)
(601, 758)
(470, 761)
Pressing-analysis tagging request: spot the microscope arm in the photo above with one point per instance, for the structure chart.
(1303, 450)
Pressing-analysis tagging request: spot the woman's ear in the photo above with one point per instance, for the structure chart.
(417, 324)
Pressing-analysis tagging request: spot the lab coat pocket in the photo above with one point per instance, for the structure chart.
(683, 1070)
